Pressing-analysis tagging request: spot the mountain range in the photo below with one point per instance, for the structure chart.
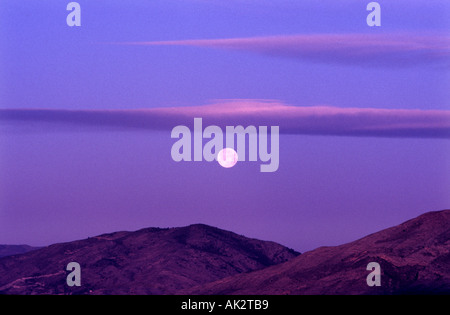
(414, 258)
(9, 250)
(148, 261)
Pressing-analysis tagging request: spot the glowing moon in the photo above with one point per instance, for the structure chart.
(227, 158)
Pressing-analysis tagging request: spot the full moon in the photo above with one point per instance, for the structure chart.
(227, 158)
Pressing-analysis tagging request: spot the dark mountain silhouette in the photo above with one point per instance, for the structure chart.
(148, 261)
(414, 258)
(9, 250)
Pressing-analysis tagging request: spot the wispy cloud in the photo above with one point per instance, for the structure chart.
(392, 50)
(315, 120)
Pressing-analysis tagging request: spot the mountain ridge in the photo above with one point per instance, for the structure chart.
(198, 259)
(147, 261)
(10, 250)
(414, 257)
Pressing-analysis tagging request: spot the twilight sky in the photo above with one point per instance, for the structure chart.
(86, 115)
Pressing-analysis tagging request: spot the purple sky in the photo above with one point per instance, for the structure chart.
(86, 115)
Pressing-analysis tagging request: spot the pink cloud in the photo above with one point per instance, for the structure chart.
(361, 49)
(314, 120)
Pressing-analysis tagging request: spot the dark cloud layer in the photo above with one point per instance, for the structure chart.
(316, 120)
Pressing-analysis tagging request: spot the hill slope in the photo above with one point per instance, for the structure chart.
(414, 258)
(148, 261)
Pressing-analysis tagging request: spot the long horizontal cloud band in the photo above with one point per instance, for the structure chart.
(393, 50)
(317, 120)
